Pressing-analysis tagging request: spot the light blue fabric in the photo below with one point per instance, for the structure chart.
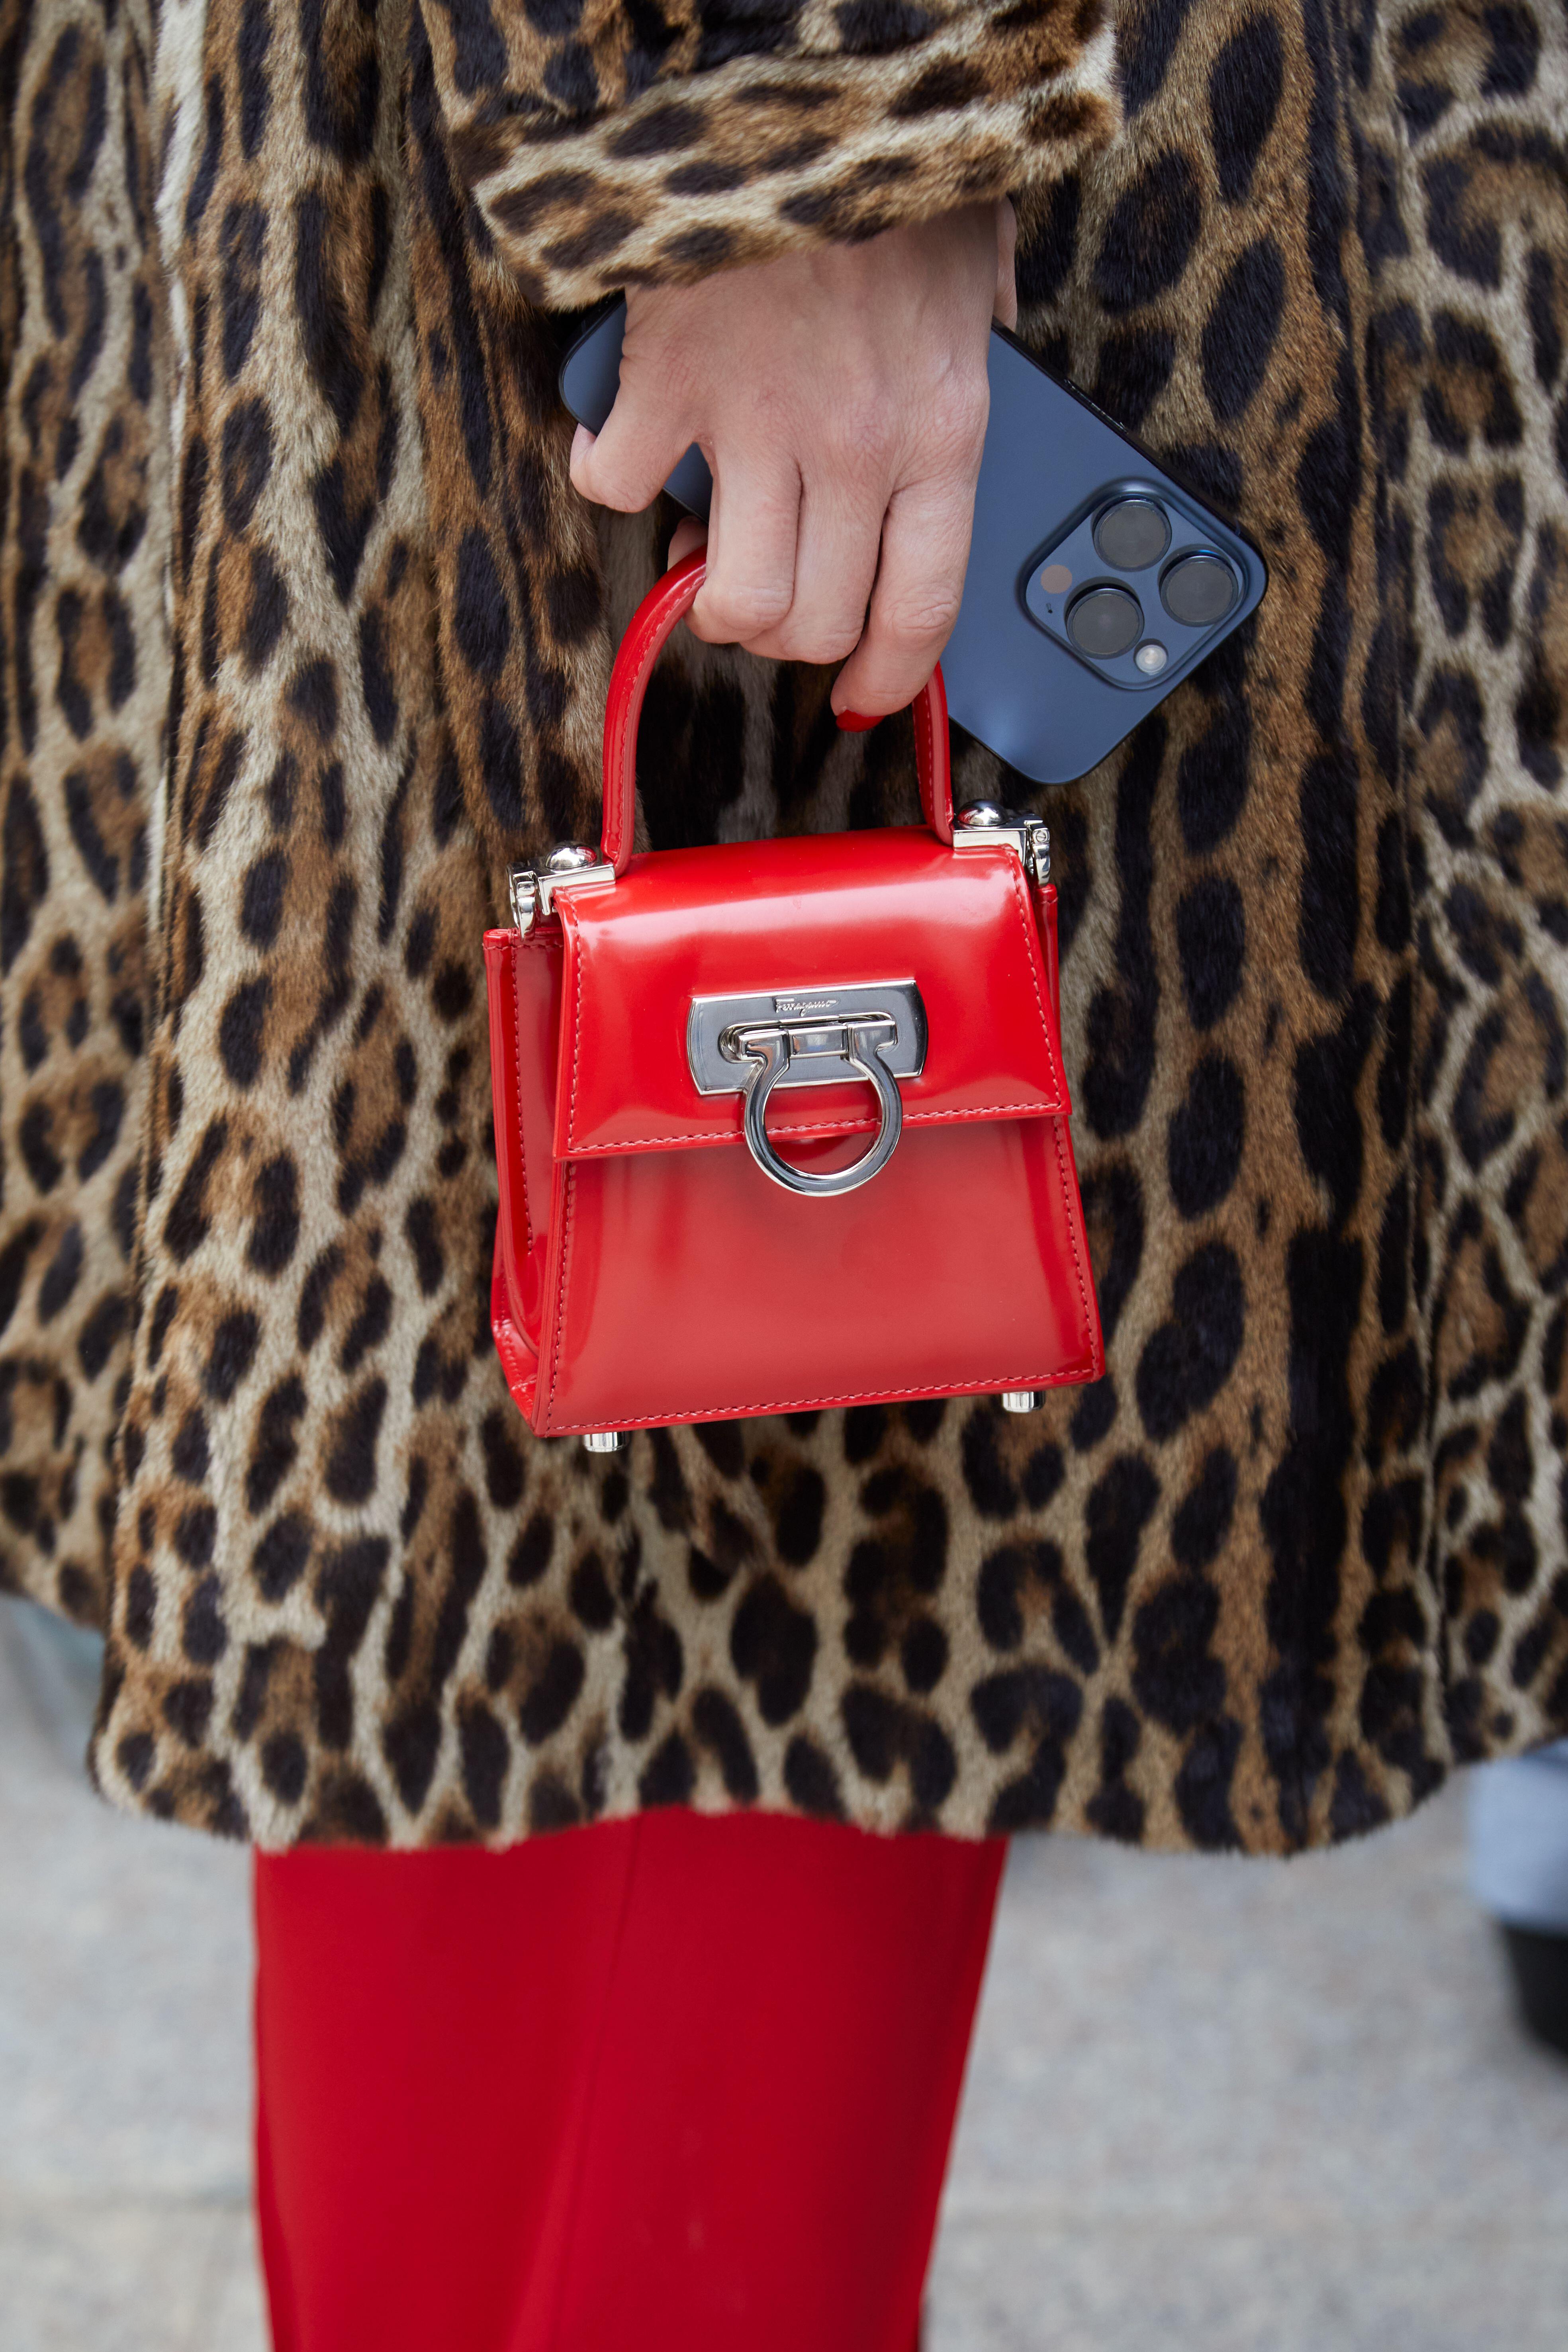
(1518, 1839)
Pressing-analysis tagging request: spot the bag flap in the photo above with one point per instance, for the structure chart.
(799, 917)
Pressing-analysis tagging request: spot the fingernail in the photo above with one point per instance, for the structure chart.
(855, 722)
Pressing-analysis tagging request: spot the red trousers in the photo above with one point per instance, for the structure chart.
(671, 2082)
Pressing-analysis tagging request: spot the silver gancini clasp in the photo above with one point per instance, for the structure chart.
(756, 1045)
(570, 868)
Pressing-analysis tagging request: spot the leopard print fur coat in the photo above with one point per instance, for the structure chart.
(306, 636)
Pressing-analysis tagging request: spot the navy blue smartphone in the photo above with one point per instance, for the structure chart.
(1095, 582)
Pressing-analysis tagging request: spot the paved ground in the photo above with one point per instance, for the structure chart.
(123, 2097)
(1213, 2106)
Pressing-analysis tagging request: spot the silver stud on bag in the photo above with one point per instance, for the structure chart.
(604, 1441)
(1022, 1399)
(982, 824)
(571, 867)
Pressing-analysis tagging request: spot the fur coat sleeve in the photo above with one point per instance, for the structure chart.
(611, 145)
(306, 636)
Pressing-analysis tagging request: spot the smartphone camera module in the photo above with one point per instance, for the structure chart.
(1137, 587)
(1131, 535)
(1104, 622)
(1199, 590)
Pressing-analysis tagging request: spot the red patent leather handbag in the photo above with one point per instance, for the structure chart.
(782, 1125)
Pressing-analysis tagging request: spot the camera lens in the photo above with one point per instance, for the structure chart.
(1132, 534)
(1199, 590)
(1103, 622)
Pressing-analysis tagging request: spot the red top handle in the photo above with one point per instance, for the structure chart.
(656, 616)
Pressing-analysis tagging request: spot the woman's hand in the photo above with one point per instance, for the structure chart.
(840, 397)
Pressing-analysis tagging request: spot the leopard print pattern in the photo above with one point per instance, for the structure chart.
(1300, 1550)
(84, 649)
(607, 147)
(1472, 330)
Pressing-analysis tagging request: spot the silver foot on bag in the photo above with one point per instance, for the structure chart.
(604, 1441)
(1022, 1399)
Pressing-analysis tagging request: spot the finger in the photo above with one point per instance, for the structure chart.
(751, 531)
(836, 550)
(919, 583)
(1006, 308)
(689, 534)
(627, 462)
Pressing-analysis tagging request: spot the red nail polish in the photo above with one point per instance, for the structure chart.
(855, 722)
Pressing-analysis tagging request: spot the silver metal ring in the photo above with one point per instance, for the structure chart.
(769, 1051)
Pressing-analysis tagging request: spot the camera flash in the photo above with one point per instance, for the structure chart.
(1150, 658)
